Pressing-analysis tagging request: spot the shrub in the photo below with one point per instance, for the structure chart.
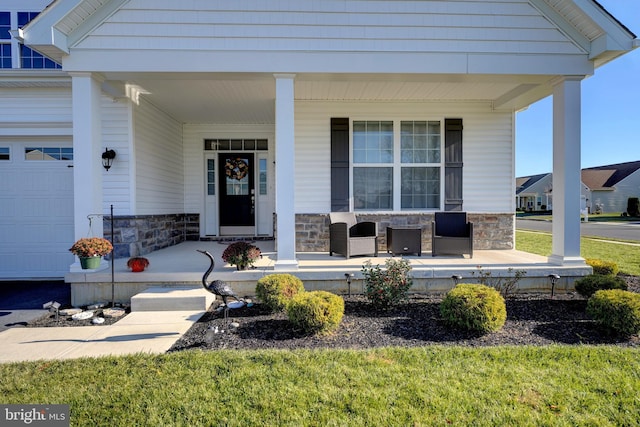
(588, 285)
(633, 206)
(384, 288)
(617, 310)
(317, 312)
(276, 290)
(474, 307)
(607, 268)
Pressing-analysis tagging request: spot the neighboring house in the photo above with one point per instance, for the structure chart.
(259, 118)
(605, 189)
(612, 185)
(533, 193)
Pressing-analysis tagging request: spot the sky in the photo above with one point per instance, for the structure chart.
(610, 111)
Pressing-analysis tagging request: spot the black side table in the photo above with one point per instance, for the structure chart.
(404, 240)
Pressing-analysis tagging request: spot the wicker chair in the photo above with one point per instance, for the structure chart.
(351, 238)
(451, 234)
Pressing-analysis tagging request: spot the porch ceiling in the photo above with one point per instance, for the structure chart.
(249, 98)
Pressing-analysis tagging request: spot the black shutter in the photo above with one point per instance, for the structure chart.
(452, 164)
(339, 165)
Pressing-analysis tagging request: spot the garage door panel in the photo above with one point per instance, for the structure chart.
(7, 182)
(7, 208)
(36, 218)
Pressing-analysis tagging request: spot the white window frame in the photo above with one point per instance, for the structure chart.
(396, 165)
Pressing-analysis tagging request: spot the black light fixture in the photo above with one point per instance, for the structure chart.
(107, 158)
(554, 279)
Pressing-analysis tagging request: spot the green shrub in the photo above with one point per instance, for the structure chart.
(606, 268)
(616, 310)
(384, 288)
(633, 206)
(588, 285)
(317, 312)
(276, 290)
(474, 307)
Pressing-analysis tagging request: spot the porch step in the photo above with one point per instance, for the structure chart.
(161, 298)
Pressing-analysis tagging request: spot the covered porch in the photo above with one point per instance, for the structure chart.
(181, 266)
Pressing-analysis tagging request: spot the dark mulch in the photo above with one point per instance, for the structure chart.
(532, 319)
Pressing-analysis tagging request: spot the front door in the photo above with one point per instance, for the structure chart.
(237, 194)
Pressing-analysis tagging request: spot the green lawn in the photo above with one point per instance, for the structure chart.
(435, 385)
(626, 256)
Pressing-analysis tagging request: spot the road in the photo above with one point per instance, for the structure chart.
(620, 230)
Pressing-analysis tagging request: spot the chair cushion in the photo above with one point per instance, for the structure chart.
(451, 224)
(347, 217)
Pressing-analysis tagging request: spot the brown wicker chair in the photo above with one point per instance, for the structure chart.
(351, 238)
(451, 234)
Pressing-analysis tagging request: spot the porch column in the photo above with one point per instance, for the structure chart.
(566, 172)
(87, 160)
(285, 164)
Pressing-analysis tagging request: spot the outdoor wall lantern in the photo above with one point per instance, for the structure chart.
(107, 158)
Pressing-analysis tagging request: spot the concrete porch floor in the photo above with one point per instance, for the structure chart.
(181, 265)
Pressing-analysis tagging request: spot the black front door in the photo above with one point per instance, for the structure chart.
(237, 195)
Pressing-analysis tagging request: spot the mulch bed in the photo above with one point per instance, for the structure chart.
(532, 319)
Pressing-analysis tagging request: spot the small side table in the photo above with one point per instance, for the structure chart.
(404, 240)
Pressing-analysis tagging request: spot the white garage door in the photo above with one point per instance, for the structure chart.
(36, 210)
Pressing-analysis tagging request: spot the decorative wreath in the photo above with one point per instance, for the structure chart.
(236, 168)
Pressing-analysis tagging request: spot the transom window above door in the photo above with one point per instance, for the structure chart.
(397, 164)
(236, 145)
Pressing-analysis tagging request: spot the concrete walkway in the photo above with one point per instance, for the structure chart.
(150, 332)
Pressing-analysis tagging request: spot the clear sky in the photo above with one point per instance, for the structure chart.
(610, 110)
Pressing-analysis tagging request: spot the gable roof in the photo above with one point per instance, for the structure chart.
(605, 177)
(525, 182)
(508, 54)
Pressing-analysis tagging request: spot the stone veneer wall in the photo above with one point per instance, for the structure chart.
(490, 230)
(141, 234)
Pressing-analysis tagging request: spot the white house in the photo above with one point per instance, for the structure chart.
(533, 193)
(604, 189)
(259, 118)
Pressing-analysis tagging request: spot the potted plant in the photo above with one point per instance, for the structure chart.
(137, 263)
(241, 254)
(90, 250)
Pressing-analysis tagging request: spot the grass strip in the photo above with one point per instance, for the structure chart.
(626, 256)
(435, 385)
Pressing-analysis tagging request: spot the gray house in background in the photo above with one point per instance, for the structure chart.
(612, 185)
(604, 189)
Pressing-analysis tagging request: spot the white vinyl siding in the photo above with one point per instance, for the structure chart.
(159, 161)
(35, 111)
(357, 25)
(487, 149)
(615, 200)
(117, 182)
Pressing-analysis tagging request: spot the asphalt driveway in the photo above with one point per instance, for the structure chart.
(21, 301)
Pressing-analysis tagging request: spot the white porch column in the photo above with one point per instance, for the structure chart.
(87, 152)
(285, 163)
(566, 172)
